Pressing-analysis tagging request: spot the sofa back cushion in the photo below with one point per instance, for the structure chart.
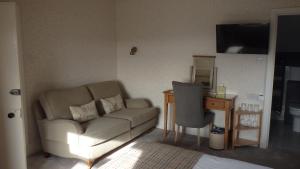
(84, 112)
(104, 89)
(56, 103)
(112, 104)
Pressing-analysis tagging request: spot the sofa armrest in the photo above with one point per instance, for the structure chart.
(65, 131)
(137, 103)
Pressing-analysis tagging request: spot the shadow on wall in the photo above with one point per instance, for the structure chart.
(126, 95)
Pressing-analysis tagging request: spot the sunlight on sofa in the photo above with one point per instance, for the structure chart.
(80, 145)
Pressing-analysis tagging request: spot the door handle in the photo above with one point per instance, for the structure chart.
(15, 92)
(11, 115)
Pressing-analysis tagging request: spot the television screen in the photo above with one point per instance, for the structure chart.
(243, 38)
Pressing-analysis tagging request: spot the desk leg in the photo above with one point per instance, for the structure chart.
(165, 120)
(233, 131)
(174, 117)
(226, 131)
(227, 115)
(231, 127)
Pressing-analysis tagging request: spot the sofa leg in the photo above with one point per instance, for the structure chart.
(90, 164)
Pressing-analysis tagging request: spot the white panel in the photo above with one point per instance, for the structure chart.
(12, 142)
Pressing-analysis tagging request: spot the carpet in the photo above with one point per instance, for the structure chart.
(145, 155)
(150, 155)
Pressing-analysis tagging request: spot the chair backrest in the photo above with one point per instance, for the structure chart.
(189, 104)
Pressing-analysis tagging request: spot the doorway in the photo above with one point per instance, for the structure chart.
(284, 129)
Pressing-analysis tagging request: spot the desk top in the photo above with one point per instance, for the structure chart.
(211, 95)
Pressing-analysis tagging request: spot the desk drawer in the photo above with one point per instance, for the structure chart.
(215, 104)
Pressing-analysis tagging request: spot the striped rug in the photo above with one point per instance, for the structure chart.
(146, 155)
(150, 155)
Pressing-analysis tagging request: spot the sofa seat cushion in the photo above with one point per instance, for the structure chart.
(103, 129)
(135, 116)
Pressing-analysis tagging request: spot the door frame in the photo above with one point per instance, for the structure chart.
(22, 77)
(23, 113)
(270, 71)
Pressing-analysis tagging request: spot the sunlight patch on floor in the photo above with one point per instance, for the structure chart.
(80, 165)
(127, 157)
(120, 152)
(116, 159)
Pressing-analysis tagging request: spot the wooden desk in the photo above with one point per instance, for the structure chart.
(210, 102)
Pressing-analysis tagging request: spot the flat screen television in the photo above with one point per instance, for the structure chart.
(243, 38)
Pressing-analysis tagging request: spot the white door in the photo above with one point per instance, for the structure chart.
(12, 137)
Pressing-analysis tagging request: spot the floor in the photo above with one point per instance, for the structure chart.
(283, 138)
(275, 157)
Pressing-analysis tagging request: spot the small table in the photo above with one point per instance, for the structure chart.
(213, 102)
(237, 127)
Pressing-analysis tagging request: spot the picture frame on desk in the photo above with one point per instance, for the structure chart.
(212, 87)
(203, 70)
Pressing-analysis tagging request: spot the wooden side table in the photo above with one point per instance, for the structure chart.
(236, 140)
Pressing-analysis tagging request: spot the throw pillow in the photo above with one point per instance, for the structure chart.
(85, 112)
(112, 104)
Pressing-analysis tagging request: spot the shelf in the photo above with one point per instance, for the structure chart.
(245, 142)
(237, 141)
(241, 127)
(240, 112)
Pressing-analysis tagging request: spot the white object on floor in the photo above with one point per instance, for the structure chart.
(213, 162)
(295, 112)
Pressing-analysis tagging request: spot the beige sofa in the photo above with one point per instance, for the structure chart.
(62, 136)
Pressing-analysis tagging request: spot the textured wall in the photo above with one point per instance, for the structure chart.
(65, 43)
(167, 34)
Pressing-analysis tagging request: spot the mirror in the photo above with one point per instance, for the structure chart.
(204, 71)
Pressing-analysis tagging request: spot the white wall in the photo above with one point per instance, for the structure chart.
(167, 34)
(65, 43)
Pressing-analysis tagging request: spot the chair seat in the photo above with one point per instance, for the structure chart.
(208, 118)
(135, 116)
(103, 129)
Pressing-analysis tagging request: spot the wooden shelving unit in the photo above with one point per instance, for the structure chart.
(236, 140)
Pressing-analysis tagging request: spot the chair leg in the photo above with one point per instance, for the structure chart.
(198, 136)
(177, 133)
(183, 131)
(210, 128)
(180, 133)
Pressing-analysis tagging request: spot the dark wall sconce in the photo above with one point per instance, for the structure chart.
(133, 50)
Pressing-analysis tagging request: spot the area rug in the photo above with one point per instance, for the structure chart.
(144, 155)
